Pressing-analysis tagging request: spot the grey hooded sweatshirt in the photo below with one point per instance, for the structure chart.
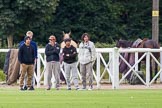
(87, 52)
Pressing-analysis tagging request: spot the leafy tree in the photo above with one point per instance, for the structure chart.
(105, 20)
(18, 16)
(136, 19)
(97, 17)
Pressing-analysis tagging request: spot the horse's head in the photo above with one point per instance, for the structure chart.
(66, 35)
(123, 44)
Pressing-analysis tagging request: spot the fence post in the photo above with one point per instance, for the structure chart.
(161, 66)
(111, 66)
(136, 59)
(148, 69)
(38, 71)
(98, 71)
(115, 61)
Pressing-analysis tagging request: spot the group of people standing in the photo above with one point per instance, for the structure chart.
(85, 56)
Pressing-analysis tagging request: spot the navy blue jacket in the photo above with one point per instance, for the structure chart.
(34, 46)
(52, 52)
(26, 54)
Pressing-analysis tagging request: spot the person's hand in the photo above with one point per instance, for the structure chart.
(67, 54)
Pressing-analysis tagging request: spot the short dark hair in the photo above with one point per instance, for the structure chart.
(67, 39)
(25, 38)
(85, 34)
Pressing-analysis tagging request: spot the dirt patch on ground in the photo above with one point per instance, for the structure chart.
(128, 86)
(102, 86)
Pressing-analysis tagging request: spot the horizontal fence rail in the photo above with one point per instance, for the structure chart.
(108, 58)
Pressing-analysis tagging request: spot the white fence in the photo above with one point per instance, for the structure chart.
(111, 65)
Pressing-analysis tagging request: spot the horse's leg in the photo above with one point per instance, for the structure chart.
(139, 66)
(156, 70)
(151, 76)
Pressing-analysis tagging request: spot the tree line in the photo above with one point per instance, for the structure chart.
(105, 20)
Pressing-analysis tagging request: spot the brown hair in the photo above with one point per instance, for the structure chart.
(52, 37)
(85, 34)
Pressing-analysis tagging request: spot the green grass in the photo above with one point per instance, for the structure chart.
(40, 98)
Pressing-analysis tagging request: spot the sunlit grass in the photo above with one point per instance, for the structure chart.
(40, 98)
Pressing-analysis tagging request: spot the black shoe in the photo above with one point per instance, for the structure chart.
(83, 88)
(31, 88)
(77, 88)
(69, 89)
(49, 88)
(21, 88)
(57, 88)
(25, 87)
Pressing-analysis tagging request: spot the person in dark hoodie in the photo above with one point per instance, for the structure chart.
(70, 63)
(33, 43)
(52, 51)
(26, 59)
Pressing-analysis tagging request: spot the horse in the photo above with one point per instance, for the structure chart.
(130, 57)
(67, 35)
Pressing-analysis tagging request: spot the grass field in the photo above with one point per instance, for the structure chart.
(40, 98)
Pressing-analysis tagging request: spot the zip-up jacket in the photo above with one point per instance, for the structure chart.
(69, 54)
(26, 54)
(34, 46)
(87, 52)
(52, 52)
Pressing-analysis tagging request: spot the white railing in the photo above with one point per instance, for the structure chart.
(111, 65)
(97, 74)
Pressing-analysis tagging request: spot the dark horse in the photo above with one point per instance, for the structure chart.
(130, 57)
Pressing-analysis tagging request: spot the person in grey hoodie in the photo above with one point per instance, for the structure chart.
(87, 56)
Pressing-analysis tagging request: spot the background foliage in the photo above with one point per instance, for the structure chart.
(18, 16)
(105, 20)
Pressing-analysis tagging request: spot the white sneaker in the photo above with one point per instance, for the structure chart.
(90, 89)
